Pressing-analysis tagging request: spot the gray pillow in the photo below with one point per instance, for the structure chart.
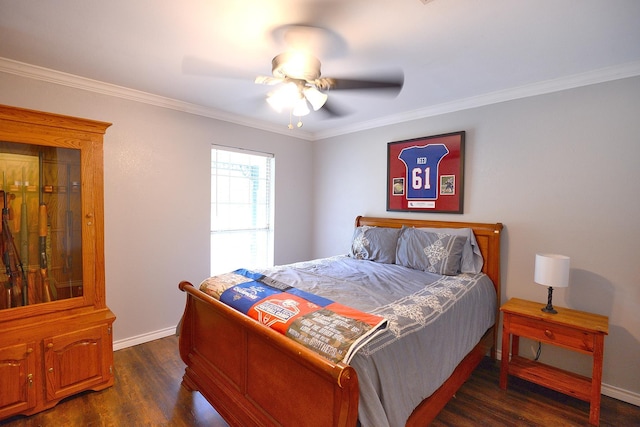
(438, 253)
(375, 244)
(472, 259)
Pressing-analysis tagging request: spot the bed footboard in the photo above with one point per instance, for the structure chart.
(253, 375)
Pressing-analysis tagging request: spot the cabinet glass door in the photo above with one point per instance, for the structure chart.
(41, 244)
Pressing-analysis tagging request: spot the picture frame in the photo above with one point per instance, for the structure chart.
(426, 174)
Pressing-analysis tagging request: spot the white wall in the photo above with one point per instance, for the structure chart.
(157, 198)
(560, 171)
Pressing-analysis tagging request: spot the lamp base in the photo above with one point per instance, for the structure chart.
(549, 307)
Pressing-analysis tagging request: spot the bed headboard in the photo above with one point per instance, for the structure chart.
(487, 235)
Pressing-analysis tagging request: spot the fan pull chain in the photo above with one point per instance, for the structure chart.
(299, 124)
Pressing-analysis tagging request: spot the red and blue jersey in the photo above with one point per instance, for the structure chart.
(422, 170)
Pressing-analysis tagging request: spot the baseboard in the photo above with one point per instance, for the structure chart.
(141, 339)
(621, 394)
(608, 390)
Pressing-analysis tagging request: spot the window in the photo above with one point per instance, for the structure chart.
(241, 209)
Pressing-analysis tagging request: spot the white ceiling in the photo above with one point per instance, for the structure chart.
(203, 55)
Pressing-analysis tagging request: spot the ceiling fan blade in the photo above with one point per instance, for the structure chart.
(268, 80)
(391, 85)
(331, 109)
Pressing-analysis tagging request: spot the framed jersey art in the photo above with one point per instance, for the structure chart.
(426, 174)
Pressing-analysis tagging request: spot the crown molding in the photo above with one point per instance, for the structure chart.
(602, 75)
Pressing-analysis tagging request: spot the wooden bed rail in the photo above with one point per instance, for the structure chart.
(338, 371)
(226, 354)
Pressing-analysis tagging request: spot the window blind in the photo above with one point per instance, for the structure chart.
(241, 209)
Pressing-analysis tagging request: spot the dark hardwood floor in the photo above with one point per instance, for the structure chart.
(147, 392)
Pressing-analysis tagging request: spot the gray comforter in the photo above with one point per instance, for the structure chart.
(434, 321)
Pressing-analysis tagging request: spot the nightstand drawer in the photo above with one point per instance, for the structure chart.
(552, 333)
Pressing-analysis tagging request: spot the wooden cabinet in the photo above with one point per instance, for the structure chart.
(55, 328)
(571, 329)
(17, 368)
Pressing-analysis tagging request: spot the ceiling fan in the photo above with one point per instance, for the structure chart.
(301, 85)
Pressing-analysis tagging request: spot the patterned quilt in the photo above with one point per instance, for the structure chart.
(333, 330)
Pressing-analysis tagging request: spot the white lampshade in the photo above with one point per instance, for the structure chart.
(552, 270)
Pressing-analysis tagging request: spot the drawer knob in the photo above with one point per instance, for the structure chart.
(50, 345)
(548, 333)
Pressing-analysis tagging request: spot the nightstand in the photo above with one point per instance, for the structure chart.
(570, 329)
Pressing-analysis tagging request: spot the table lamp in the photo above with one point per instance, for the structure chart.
(551, 270)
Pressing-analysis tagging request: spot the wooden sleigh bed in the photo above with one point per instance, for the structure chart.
(225, 353)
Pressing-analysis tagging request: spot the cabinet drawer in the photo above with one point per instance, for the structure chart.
(551, 333)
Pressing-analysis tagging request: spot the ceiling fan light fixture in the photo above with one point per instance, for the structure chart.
(285, 97)
(316, 98)
(301, 108)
